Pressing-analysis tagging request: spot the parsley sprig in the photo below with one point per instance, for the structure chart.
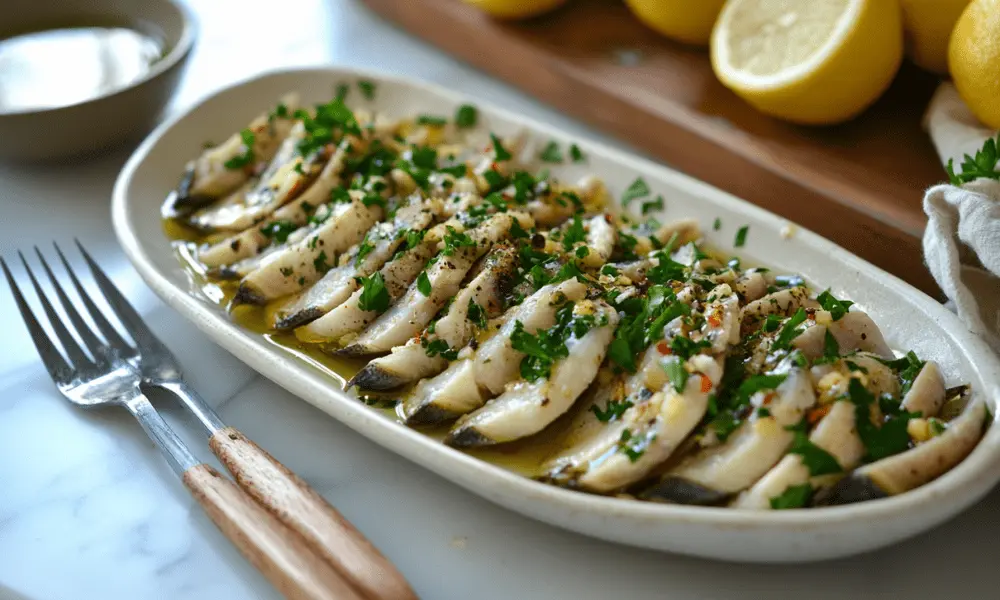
(983, 164)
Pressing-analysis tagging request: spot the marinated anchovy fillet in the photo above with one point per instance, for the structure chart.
(223, 168)
(415, 310)
(305, 262)
(375, 249)
(530, 405)
(467, 383)
(477, 302)
(510, 311)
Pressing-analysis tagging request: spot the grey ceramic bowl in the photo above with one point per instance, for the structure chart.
(118, 115)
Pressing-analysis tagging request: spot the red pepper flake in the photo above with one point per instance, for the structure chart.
(663, 348)
(714, 320)
(768, 397)
(814, 415)
(706, 385)
(607, 218)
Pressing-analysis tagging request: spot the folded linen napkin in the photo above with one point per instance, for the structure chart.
(962, 239)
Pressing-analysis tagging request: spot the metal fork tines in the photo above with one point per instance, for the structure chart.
(104, 376)
(328, 554)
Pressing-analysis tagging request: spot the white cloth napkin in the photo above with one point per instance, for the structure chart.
(962, 239)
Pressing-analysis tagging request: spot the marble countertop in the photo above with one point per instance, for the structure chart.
(88, 509)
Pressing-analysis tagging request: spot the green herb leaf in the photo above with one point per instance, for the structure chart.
(796, 496)
(574, 233)
(758, 383)
(477, 315)
(909, 367)
(245, 159)
(790, 331)
(717, 224)
(983, 164)
(614, 409)
(817, 460)
(367, 89)
(374, 294)
(438, 347)
(466, 116)
(831, 349)
(576, 154)
(837, 308)
(638, 189)
(500, 153)
(652, 205)
(364, 250)
(278, 231)
(741, 236)
(889, 439)
(424, 284)
(320, 264)
(551, 153)
(676, 372)
(454, 240)
(431, 120)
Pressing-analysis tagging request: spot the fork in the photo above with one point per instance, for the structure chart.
(272, 484)
(106, 378)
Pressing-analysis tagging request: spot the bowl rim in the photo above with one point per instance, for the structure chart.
(983, 461)
(177, 54)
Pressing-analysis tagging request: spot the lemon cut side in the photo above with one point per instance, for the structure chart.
(816, 62)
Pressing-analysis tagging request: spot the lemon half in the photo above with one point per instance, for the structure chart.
(927, 25)
(816, 62)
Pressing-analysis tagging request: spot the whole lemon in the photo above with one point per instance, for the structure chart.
(515, 9)
(974, 59)
(928, 25)
(688, 21)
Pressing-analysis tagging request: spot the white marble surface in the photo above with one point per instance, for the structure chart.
(89, 510)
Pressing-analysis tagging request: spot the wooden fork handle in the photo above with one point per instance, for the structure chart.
(277, 552)
(303, 510)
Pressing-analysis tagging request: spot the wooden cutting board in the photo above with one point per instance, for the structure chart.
(859, 184)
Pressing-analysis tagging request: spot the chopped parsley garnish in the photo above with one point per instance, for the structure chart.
(414, 237)
(984, 164)
(332, 121)
(574, 233)
(545, 347)
(552, 153)
(612, 410)
(245, 159)
(817, 460)
(837, 308)
(438, 347)
(466, 116)
(638, 189)
(796, 496)
(609, 270)
(576, 154)
(476, 314)
(909, 367)
(889, 439)
(831, 349)
(634, 446)
(424, 284)
(364, 250)
(340, 92)
(286, 271)
(339, 195)
(741, 236)
(676, 372)
(320, 264)
(666, 270)
(517, 232)
(771, 323)
(495, 180)
(280, 112)
(454, 239)
(685, 348)
(367, 89)
(717, 224)
(582, 252)
(790, 331)
(643, 324)
(278, 231)
(431, 120)
(757, 383)
(500, 153)
(652, 205)
(373, 200)
(374, 294)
